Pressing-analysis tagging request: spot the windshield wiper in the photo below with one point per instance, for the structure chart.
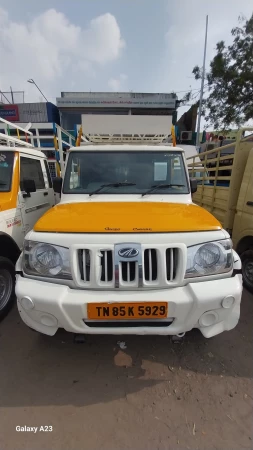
(161, 186)
(111, 185)
(2, 184)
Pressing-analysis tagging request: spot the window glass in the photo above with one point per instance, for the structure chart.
(87, 171)
(48, 174)
(6, 170)
(30, 169)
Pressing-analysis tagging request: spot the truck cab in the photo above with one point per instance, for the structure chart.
(126, 251)
(26, 192)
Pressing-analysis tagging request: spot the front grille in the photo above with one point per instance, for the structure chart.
(113, 268)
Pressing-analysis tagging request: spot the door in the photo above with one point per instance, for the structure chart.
(10, 214)
(244, 232)
(34, 206)
(243, 223)
(48, 182)
(247, 213)
(248, 206)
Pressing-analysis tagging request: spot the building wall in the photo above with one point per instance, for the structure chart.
(73, 104)
(70, 117)
(146, 101)
(31, 112)
(142, 96)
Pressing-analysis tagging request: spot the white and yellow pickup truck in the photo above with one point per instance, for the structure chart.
(126, 251)
(26, 192)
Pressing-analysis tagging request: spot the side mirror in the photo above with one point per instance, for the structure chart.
(28, 186)
(194, 185)
(57, 184)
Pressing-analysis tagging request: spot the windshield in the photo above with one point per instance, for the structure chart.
(132, 172)
(6, 169)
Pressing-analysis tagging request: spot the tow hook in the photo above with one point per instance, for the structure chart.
(177, 338)
(80, 339)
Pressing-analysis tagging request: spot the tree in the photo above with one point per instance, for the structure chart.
(229, 99)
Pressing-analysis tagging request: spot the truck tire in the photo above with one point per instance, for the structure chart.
(247, 269)
(7, 286)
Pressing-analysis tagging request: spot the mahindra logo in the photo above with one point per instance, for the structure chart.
(128, 252)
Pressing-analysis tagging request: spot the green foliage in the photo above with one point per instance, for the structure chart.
(230, 80)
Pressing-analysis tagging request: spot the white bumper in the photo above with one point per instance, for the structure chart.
(58, 306)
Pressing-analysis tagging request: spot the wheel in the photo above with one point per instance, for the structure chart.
(247, 269)
(7, 286)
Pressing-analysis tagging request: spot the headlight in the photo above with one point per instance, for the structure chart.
(209, 259)
(46, 260)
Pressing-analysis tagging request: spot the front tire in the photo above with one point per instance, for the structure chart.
(247, 269)
(7, 286)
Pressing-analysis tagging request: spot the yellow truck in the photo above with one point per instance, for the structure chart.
(225, 188)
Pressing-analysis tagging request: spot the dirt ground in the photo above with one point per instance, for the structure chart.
(153, 395)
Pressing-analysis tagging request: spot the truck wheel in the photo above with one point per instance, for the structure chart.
(7, 286)
(247, 269)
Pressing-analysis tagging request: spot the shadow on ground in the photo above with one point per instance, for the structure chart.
(39, 370)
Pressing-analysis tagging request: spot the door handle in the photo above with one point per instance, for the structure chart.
(249, 203)
(45, 193)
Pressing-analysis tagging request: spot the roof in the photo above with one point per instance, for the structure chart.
(28, 151)
(128, 147)
(112, 100)
(89, 94)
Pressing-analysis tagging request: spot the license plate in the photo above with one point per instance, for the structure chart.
(117, 311)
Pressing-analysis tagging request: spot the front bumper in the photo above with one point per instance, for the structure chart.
(196, 305)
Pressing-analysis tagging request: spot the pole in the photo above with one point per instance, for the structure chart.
(33, 82)
(40, 91)
(60, 148)
(1, 92)
(12, 98)
(202, 87)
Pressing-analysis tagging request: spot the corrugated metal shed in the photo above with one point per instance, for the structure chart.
(33, 112)
(38, 112)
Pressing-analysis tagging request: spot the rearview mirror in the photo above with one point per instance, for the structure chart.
(28, 186)
(57, 184)
(194, 185)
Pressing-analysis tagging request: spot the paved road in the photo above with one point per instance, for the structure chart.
(152, 395)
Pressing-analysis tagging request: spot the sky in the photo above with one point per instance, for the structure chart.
(110, 45)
